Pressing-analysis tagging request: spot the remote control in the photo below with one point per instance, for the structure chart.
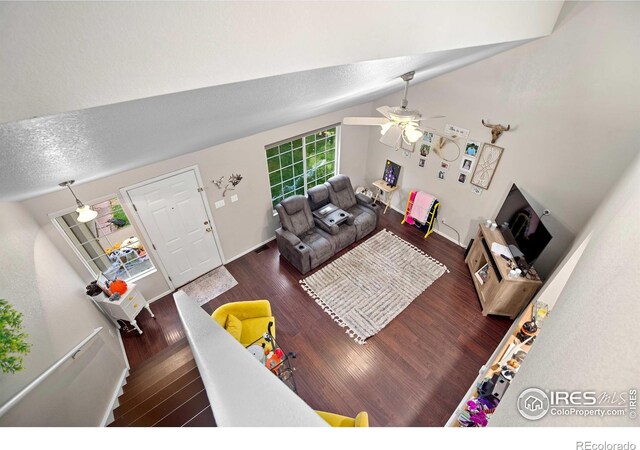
(505, 257)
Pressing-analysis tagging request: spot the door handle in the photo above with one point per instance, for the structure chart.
(208, 229)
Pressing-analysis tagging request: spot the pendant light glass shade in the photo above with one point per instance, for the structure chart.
(412, 133)
(86, 214)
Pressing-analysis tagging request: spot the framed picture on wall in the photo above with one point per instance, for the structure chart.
(486, 165)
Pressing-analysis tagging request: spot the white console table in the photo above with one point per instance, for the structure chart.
(128, 307)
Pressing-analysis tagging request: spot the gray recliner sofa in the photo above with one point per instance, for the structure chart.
(307, 242)
(361, 207)
(299, 241)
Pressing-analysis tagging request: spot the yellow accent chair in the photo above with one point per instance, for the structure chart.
(336, 420)
(246, 321)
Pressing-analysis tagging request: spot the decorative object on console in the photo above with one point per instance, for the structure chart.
(391, 173)
(126, 306)
(496, 130)
(369, 298)
(486, 165)
(85, 213)
(118, 286)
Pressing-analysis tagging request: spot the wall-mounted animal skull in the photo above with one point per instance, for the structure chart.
(496, 130)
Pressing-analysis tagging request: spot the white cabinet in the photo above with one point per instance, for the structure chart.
(128, 307)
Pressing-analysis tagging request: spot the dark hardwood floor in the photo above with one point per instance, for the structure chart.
(412, 373)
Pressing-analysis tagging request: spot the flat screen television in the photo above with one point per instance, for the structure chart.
(391, 173)
(522, 227)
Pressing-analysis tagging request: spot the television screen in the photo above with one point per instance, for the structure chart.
(521, 226)
(391, 173)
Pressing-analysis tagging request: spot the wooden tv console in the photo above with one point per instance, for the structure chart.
(498, 293)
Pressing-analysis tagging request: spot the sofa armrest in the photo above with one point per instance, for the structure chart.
(294, 250)
(243, 310)
(331, 229)
(364, 200)
(288, 236)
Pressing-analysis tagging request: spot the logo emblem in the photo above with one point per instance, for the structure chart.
(533, 404)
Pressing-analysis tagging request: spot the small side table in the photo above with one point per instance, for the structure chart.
(128, 307)
(382, 186)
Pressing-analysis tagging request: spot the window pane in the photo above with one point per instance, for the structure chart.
(321, 146)
(331, 155)
(298, 169)
(300, 191)
(331, 169)
(321, 171)
(287, 173)
(273, 164)
(275, 178)
(297, 143)
(288, 188)
(297, 155)
(311, 162)
(285, 147)
(271, 152)
(276, 191)
(286, 159)
(331, 141)
(311, 149)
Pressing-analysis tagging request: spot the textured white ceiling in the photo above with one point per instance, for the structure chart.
(65, 56)
(110, 86)
(84, 145)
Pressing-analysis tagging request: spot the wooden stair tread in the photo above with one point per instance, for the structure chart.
(156, 372)
(156, 393)
(169, 405)
(203, 419)
(186, 411)
(161, 355)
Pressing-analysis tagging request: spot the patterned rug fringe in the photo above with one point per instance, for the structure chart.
(417, 249)
(326, 308)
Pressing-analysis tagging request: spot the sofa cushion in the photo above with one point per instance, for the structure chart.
(295, 215)
(234, 326)
(365, 220)
(318, 196)
(320, 245)
(340, 192)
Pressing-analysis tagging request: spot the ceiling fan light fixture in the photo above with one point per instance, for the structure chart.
(386, 127)
(403, 115)
(412, 133)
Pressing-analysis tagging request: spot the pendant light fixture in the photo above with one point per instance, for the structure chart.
(85, 213)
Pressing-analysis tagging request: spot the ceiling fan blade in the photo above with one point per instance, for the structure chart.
(364, 121)
(384, 110)
(392, 136)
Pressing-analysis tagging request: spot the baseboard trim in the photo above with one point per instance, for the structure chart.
(158, 297)
(108, 416)
(251, 249)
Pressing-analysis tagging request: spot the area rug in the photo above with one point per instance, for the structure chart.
(369, 286)
(210, 285)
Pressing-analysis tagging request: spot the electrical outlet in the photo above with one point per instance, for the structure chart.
(234, 198)
(219, 204)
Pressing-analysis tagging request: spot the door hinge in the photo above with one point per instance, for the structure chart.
(169, 278)
(134, 207)
(154, 246)
(200, 189)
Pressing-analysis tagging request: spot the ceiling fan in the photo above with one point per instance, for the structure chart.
(398, 124)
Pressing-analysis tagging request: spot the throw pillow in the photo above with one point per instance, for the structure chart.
(234, 326)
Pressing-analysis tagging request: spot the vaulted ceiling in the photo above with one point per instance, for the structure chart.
(91, 89)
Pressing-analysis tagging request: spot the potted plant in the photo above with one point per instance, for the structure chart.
(12, 339)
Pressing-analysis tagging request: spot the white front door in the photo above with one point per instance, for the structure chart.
(173, 213)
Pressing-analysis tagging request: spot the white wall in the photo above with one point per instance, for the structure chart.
(590, 342)
(569, 98)
(37, 280)
(241, 225)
